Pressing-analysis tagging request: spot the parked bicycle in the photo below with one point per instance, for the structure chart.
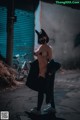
(22, 65)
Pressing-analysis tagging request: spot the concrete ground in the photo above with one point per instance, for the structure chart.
(67, 98)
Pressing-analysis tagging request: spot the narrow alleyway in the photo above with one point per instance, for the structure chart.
(67, 98)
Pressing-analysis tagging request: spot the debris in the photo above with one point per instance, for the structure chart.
(7, 75)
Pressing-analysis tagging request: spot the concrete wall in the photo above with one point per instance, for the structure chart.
(37, 24)
(62, 25)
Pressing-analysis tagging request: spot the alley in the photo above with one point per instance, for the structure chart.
(67, 98)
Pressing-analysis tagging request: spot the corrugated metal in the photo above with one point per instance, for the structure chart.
(24, 33)
(3, 34)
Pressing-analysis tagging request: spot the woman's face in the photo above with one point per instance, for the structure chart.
(43, 40)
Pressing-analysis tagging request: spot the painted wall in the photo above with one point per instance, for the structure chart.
(37, 24)
(23, 32)
(62, 25)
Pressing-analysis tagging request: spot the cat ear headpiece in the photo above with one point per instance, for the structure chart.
(42, 37)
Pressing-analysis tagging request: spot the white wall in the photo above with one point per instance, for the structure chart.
(37, 24)
(62, 24)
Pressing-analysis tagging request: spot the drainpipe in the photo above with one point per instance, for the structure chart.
(10, 30)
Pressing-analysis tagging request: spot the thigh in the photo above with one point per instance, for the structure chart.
(42, 84)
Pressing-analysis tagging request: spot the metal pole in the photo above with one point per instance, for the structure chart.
(10, 30)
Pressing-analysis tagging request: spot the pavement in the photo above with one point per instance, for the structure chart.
(66, 96)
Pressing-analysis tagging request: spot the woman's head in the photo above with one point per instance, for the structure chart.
(42, 37)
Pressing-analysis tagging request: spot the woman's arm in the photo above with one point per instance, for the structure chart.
(37, 52)
(50, 54)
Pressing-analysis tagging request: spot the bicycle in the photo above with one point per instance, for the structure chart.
(22, 66)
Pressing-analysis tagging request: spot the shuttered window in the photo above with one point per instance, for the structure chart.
(24, 33)
(3, 33)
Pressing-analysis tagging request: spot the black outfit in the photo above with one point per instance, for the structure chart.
(43, 85)
(47, 88)
(41, 91)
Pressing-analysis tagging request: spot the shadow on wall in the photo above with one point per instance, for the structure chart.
(71, 64)
(77, 40)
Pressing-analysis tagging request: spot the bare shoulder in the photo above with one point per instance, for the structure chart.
(40, 47)
(49, 47)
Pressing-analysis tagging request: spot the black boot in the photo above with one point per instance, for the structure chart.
(40, 100)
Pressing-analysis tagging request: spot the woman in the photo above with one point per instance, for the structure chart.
(44, 56)
(44, 52)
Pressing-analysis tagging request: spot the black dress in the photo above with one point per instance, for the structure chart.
(36, 83)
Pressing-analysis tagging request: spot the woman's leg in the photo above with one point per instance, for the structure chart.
(40, 100)
(52, 100)
(40, 92)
